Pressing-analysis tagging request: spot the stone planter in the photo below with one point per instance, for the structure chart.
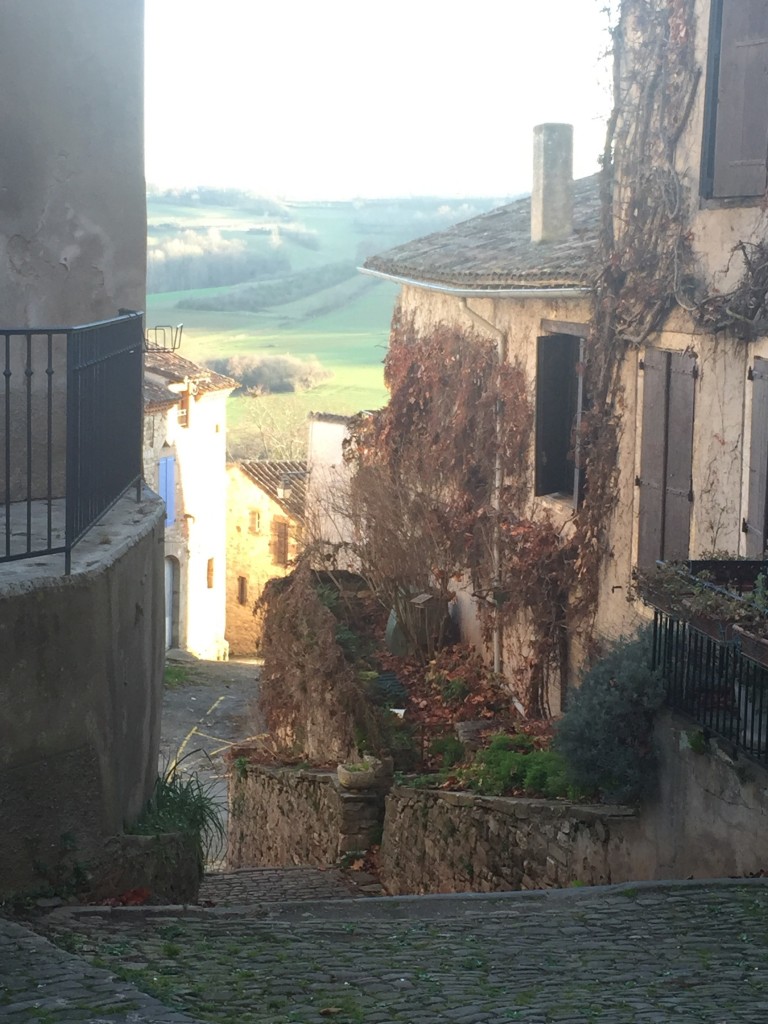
(167, 866)
(366, 774)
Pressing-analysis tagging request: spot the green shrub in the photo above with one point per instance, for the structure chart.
(512, 764)
(449, 749)
(605, 735)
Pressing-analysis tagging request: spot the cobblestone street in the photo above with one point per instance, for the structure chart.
(683, 952)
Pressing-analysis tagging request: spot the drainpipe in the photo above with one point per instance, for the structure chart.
(498, 482)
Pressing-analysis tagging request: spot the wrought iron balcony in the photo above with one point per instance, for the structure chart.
(710, 644)
(70, 431)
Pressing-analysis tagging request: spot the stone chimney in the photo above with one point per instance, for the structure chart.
(552, 195)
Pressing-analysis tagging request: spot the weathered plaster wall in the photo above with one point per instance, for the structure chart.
(250, 554)
(80, 699)
(199, 531)
(328, 522)
(279, 817)
(72, 194)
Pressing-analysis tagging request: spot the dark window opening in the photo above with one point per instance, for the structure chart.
(735, 144)
(559, 399)
(254, 521)
(242, 590)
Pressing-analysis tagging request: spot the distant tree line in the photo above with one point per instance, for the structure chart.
(186, 271)
(240, 198)
(271, 374)
(264, 294)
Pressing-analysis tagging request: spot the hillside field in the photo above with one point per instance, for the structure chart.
(251, 277)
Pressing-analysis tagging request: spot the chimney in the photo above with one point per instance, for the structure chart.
(552, 195)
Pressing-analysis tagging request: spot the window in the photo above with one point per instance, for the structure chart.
(559, 398)
(209, 574)
(166, 485)
(736, 113)
(242, 590)
(280, 543)
(666, 456)
(254, 521)
(755, 526)
(183, 409)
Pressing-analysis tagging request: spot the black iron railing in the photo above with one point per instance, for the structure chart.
(70, 431)
(714, 682)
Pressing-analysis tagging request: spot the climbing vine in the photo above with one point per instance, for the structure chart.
(425, 487)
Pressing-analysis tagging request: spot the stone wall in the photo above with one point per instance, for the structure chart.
(457, 842)
(280, 817)
(708, 819)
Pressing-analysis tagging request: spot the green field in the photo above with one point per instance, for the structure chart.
(252, 277)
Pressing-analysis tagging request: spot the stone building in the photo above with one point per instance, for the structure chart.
(265, 517)
(660, 275)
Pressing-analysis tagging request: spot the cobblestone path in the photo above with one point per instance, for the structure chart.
(682, 953)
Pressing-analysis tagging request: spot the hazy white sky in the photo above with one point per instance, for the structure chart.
(341, 98)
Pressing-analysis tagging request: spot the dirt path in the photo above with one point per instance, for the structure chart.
(208, 706)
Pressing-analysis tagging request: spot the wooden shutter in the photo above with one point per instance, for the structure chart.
(678, 493)
(666, 457)
(741, 111)
(652, 458)
(578, 469)
(755, 522)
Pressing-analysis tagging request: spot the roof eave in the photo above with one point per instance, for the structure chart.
(554, 291)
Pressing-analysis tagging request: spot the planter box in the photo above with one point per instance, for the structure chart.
(751, 645)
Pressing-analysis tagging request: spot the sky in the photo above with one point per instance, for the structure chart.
(337, 99)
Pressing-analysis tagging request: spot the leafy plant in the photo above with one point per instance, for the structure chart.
(449, 749)
(605, 735)
(454, 691)
(512, 764)
(182, 802)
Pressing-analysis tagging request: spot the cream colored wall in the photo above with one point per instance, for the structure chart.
(250, 555)
(327, 522)
(199, 532)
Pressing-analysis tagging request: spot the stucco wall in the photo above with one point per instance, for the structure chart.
(72, 194)
(328, 524)
(80, 699)
(72, 201)
(199, 531)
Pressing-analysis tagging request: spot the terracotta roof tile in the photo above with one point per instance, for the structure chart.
(270, 476)
(162, 368)
(495, 249)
